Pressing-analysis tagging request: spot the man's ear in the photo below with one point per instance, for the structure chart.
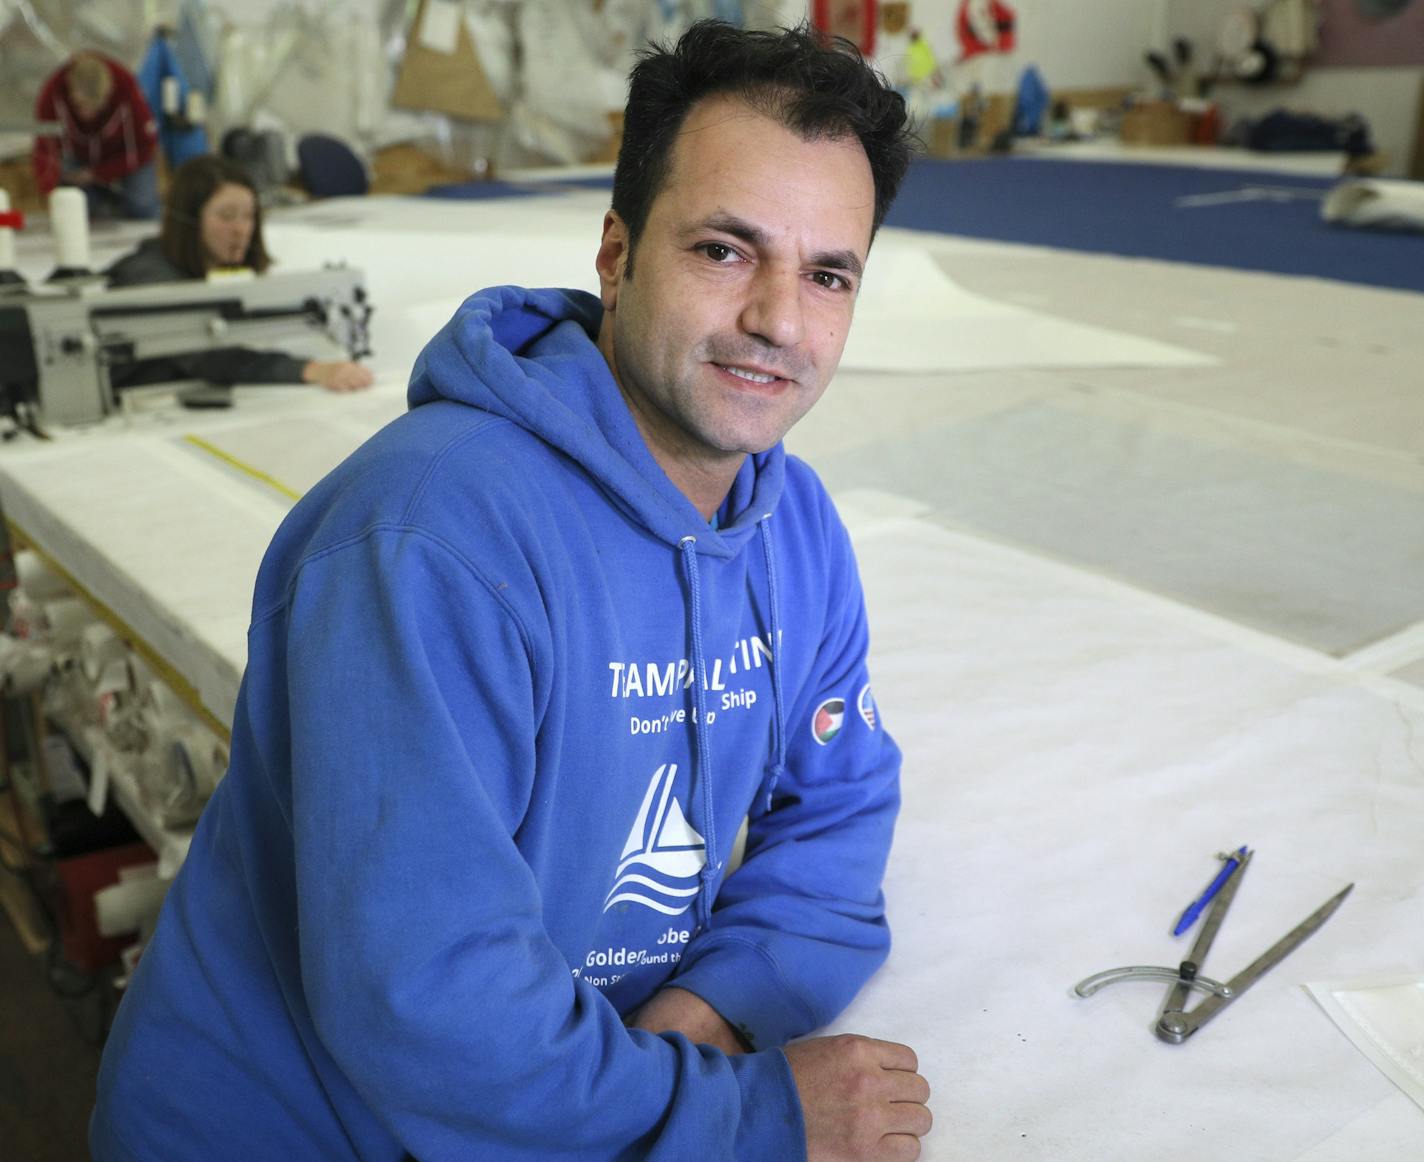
(612, 259)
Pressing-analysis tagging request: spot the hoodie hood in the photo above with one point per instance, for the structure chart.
(531, 357)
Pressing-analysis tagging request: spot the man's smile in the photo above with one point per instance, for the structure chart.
(754, 375)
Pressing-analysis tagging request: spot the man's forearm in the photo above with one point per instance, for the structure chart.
(675, 1010)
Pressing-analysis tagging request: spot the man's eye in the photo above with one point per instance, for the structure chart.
(830, 281)
(718, 251)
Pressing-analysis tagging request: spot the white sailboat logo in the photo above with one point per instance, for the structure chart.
(663, 855)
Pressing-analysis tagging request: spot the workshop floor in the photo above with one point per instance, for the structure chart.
(48, 1060)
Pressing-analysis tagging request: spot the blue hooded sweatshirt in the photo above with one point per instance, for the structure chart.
(508, 700)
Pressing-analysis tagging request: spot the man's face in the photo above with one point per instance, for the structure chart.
(87, 99)
(743, 286)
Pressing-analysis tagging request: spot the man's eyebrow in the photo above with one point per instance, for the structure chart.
(754, 235)
(846, 260)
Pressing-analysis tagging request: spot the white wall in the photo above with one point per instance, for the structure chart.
(1076, 44)
(1388, 98)
(1100, 43)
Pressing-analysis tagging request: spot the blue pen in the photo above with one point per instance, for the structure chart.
(1194, 909)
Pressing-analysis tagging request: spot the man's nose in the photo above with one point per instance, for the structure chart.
(773, 310)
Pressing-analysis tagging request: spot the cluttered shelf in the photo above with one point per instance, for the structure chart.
(107, 713)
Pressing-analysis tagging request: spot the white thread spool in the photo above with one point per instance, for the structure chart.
(67, 618)
(172, 95)
(131, 905)
(69, 223)
(98, 646)
(197, 107)
(38, 581)
(29, 670)
(7, 236)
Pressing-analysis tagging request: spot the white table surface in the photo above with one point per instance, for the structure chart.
(1076, 752)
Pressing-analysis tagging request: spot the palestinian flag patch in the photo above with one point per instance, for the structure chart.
(827, 721)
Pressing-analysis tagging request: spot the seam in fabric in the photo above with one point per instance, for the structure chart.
(724, 939)
(373, 530)
(438, 461)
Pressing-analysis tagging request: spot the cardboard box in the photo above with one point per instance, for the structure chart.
(444, 82)
(17, 178)
(942, 134)
(406, 168)
(1156, 123)
(608, 154)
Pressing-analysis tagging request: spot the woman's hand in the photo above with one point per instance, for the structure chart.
(337, 375)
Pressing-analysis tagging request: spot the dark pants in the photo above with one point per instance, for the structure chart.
(135, 195)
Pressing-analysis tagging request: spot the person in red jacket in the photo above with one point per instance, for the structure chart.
(107, 141)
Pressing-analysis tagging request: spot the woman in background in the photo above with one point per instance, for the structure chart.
(212, 220)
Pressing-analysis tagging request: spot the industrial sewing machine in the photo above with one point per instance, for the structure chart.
(60, 341)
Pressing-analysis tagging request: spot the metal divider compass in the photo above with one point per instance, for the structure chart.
(1174, 1023)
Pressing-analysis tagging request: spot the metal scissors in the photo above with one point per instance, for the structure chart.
(1174, 1023)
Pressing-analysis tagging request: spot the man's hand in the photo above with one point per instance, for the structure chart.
(862, 1099)
(675, 1010)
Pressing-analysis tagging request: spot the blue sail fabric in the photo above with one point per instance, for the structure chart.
(178, 140)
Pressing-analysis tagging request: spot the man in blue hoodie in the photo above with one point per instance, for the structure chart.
(559, 799)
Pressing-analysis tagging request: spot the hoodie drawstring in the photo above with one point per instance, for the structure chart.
(778, 725)
(710, 871)
(703, 771)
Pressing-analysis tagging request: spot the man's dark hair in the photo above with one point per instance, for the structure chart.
(193, 183)
(817, 87)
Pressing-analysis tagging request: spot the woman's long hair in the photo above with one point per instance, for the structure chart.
(193, 183)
